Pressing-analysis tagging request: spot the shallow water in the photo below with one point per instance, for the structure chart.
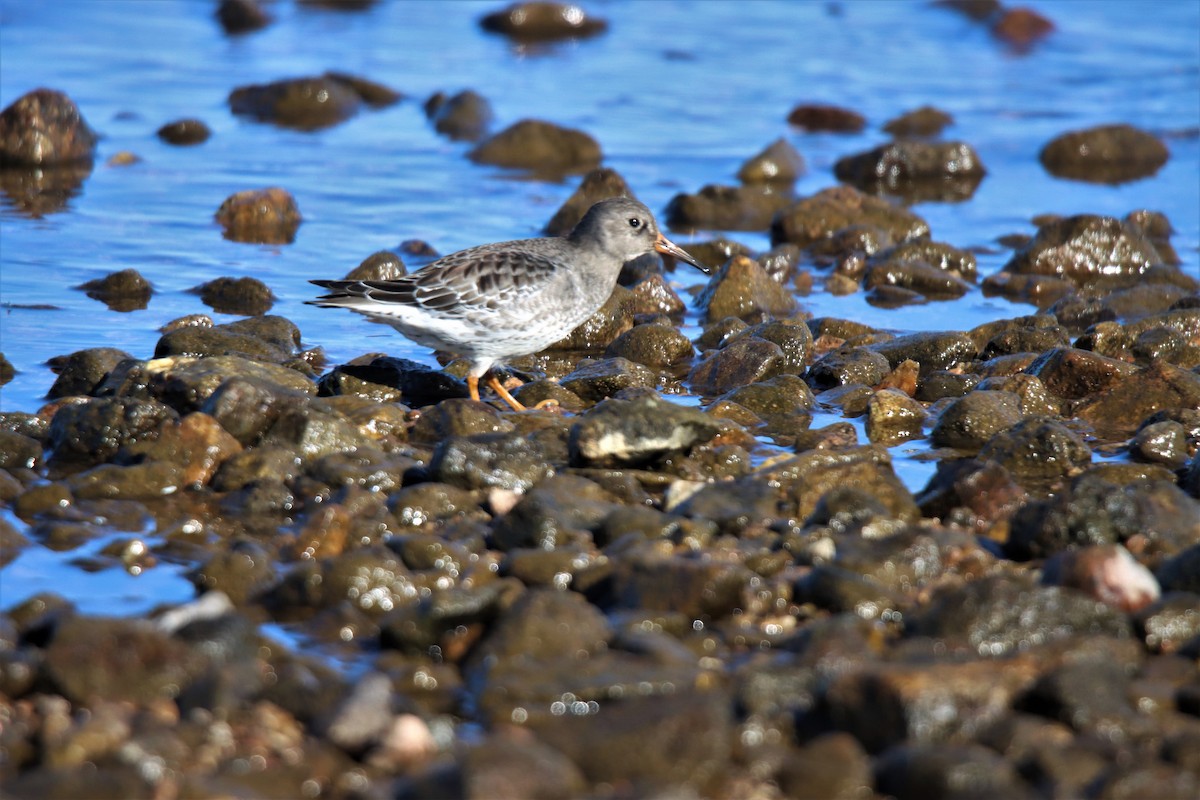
(677, 93)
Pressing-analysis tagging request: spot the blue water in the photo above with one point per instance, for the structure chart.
(677, 93)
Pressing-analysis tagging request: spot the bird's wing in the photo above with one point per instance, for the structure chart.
(480, 278)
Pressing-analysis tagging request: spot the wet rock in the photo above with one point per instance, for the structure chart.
(82, 372)
(19, 452)
(1118, 410)
(465, 116)
(925, 121)
(271, 462)
(637, 432)
(1038, 452)
(497, 460)
(981, 496)
(894, 417)
(241, 16)
(916, 276)
(458, 417)
(269, 339)
(778, 164)
(923, 704)
(126, 290)
(653, 295)
(795, 340)
(513, 766)
(931, 349)
(1075, 374)
(1181, 573)
(599, 184)
(1021, 27)
(260, 216)
(43, 128)
(135, 482)
(198, 446)
(244, 296)
(814, 117)
(187, 383)
(952, 260)
(820, 216)
(242, 572)
(560, 511)
(309, 104)
(312, 433)
(1161, 443)
(536, 22)
(379, 376)
(832, 766)
(1106, 572)
(847, 366)
(783, 402)
(971, 421)
(740, 363)
(804, 479)
(1151, 515)
(655, 346)
(246, 407)
(595, 380)
(114, 659)
(1170, 623)
(363, 716)
(728, 208)
(542, 148)
(1104, 154)
(741, 288)
(911, 771)
(1088, 250)
(996, 616)
(915, 170)
(93, 431)
(1158, 229)
(628, 741)
(383, 265)
(185, 132)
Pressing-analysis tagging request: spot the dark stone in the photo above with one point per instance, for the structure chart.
(465, 116)
(817, 117)
(260, 216)
(915, 170)
(126, 290)
(542, 148)
(536, 22)
(1105, 154)
(82, 372)
(726, 208)
(778, 164)
(244, 296)
(185, 132)
(44, 128)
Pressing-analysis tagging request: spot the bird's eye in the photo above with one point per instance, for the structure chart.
(635, 223)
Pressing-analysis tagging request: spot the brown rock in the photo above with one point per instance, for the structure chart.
(43, 128)
(542, 148)
(817, 117)
(260, 216)
(1105, 154)
(533, 22)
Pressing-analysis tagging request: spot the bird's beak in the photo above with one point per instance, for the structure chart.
(669, 248)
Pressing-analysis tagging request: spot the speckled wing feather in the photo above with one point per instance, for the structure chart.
(478, 279)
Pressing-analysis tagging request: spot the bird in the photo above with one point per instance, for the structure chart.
(498, 301)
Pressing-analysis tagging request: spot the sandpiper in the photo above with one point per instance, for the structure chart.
(498, 301)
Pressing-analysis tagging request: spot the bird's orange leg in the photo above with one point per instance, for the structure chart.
(504, 395)
(473, 387)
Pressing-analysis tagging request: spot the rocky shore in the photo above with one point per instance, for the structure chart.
(669, 583)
